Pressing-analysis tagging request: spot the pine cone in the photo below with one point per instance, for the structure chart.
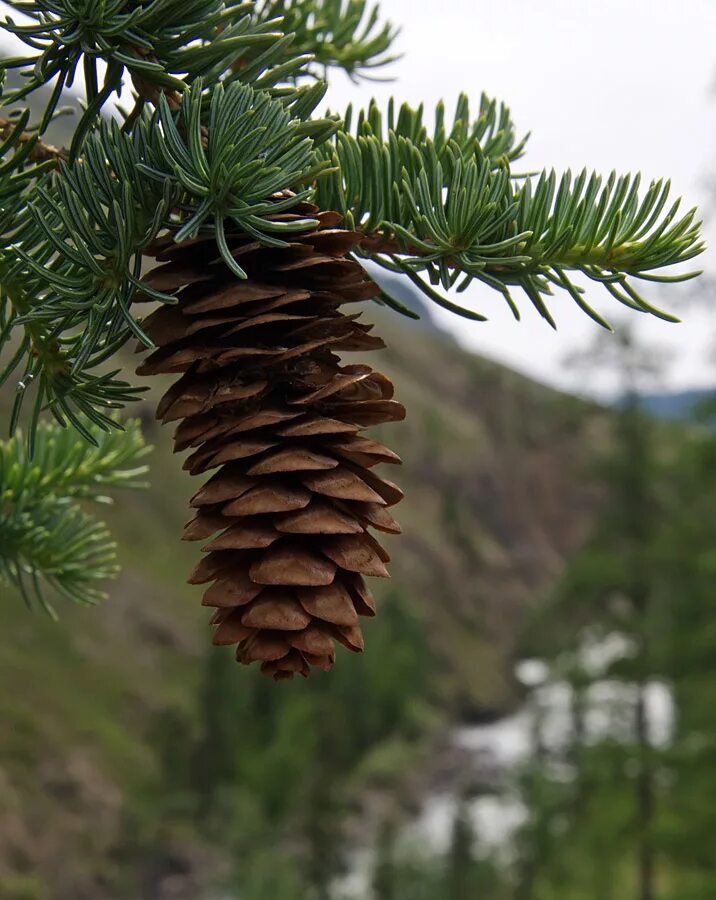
(264, 398)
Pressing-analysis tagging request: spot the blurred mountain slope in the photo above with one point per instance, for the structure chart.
(495, 503)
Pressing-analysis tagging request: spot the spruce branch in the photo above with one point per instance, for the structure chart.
(254, 151)
(72, 268)
(446, 210)
(70, 261)
(23, 157)
(19, 174)
(345, 34)
(224, 140)
(49, 543)
(164, 45)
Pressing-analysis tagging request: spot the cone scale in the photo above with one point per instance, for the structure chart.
(266, 403)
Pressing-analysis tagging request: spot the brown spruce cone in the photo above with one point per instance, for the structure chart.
(264, 398)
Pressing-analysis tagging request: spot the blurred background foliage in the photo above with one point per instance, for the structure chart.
(137, 763)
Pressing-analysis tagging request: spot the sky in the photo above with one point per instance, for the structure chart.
(616, 84)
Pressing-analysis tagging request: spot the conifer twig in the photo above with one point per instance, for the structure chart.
(40, 152)
(48, 543)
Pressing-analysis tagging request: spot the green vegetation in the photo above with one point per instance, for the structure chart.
(194, 773)
(46, 536)
(195, 770)
(624, 808)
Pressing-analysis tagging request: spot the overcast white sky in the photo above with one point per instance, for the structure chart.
(614, 84)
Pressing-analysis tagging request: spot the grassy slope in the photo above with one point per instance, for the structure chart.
(493, 505)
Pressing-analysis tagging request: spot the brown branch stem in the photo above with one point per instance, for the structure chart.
(41, 151)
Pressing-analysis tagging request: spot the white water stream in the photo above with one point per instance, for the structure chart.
(500, 748)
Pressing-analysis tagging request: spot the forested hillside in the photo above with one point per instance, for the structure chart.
(125, 736)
